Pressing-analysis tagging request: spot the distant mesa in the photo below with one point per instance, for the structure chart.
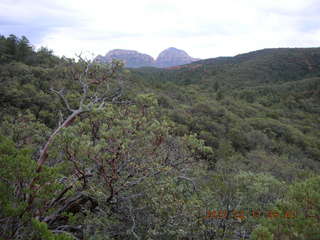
(133, 59)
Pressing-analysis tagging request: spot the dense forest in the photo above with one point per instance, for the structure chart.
(223, 148)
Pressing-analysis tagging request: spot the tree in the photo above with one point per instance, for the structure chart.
(24, 50)
(90, 98)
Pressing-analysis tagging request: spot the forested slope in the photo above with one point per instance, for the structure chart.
(224, 148)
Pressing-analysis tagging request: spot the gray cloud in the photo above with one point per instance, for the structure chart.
(34, 20)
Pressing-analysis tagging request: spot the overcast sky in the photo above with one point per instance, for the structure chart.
(203, 28)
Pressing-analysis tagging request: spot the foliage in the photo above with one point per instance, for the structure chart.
(299, 212)
(91, 151)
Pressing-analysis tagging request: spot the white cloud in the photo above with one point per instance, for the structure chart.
(203, 28)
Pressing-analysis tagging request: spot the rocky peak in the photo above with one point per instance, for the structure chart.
(133, 59)
(173, 57)
(130, 58)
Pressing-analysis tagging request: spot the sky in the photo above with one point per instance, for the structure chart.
(203, 28)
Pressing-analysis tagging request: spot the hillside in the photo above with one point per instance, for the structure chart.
(259, 67)
(224, 148)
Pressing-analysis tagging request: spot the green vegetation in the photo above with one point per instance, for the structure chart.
(224, 148)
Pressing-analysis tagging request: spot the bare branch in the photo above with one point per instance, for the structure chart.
(133, 221)
(5, 180)
(44, 152)
(65, 232)
(60, 196)
(82, 80)
(63, 98)
(190, 180)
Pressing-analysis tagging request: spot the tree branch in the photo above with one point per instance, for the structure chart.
(190, 180)
(64, 100)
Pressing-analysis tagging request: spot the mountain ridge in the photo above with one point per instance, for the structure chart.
(257, 68)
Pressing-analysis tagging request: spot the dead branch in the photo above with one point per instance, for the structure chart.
(73, 205)
(133, 221)
(65, 232)
(44, 153)
(189, 180)
(63, 98)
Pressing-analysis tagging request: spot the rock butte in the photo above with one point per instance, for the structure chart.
(133, 59)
